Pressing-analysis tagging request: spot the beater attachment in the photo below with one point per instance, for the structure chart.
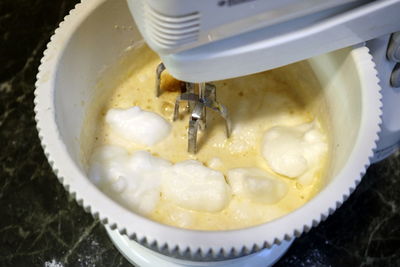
(197, 106)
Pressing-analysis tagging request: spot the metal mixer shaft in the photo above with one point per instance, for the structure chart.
(198, 103)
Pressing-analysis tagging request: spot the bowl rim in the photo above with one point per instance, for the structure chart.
(171, 239)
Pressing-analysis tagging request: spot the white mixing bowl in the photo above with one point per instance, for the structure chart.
(91, 38)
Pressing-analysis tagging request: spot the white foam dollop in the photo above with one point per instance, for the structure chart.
(292, 151)
(135, 179)
(139, 179)
(257, 185)
(189, 184)
(138, 126)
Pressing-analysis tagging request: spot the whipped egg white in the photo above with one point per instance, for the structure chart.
(256, 185)
(139, 180)
(135, 179)
(137, 125)
(295, 151)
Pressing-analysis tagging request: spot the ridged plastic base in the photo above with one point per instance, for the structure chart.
(144, 257)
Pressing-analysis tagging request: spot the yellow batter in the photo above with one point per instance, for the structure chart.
(255, 103)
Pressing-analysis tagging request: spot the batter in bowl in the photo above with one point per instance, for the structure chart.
(273, 163)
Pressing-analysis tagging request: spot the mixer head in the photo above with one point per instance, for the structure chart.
(202, 41)
(209, 40)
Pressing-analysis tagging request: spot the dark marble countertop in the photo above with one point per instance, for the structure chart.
(41, 226)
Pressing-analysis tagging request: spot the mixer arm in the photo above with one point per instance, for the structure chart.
(284, 43)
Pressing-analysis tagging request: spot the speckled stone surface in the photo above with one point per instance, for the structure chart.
(41, 226)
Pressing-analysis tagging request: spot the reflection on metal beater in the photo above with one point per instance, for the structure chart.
(197, 105)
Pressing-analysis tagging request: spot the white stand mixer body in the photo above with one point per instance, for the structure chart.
(389, 137)
(293, 37)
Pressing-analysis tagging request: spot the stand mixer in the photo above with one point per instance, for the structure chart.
(214, 40)
(203, 41)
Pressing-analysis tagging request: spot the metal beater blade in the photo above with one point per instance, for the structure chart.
(205, 99)
(197, 105)
(159, 71)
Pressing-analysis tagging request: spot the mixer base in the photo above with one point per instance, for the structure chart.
(144, 257)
